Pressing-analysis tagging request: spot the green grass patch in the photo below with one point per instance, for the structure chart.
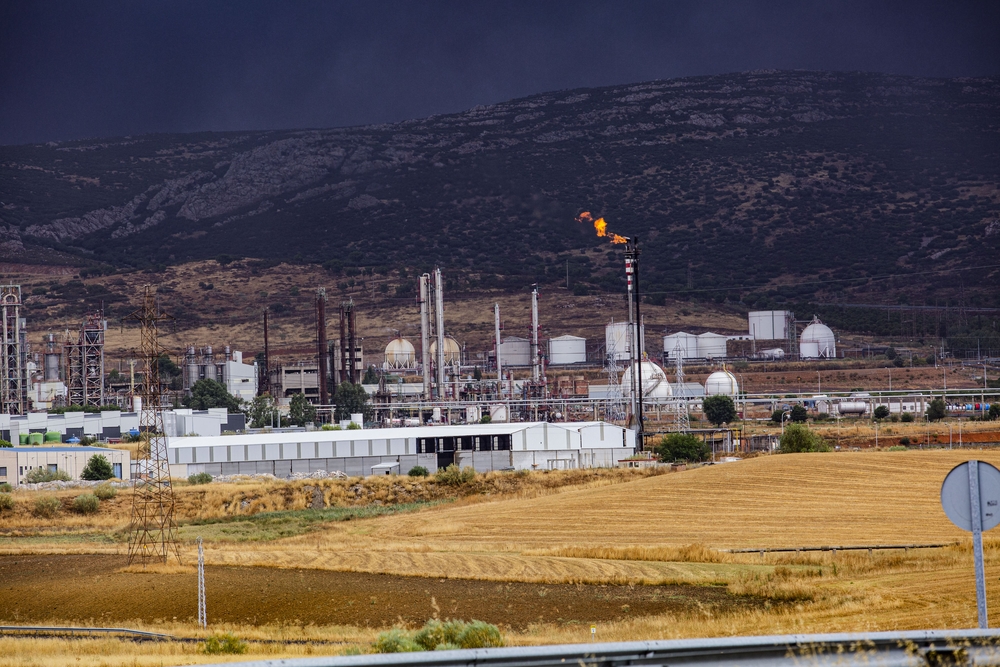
(268, 526)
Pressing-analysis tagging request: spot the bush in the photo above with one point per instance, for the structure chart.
(418, 471)
(994, 412)
(199, 478)
(682, 447)
(354, 426)
(777, 415)
(798, 438)
(906, 417)
(5, 443)
(97, 468)
(224, 643)
(937, 410)
(486, 419)
(455, 476)
(894, 418)
(46, 507)
(799, 414)
(86, 503)
(395, 641)
(899, 448)
(881, 412)
(904, 441)
(38, 475)
(5, 487)
(436, 633)
(478, 634)
(105, 492)
(6, 501)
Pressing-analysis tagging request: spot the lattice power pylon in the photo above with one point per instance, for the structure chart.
(151, 534)
(683, 423)
(615, 405)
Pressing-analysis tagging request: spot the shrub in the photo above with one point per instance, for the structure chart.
(881, 412)
(97, 468)
(46, 507)
(6, 501)
(224, 643)
(5, 443)
(777, 415)
(899, 448)
(86, 503)
(937, 410)
(395, 641)
(455, 476)
(798, 438)
(436, 633)
(906, 417)
(105, 492)
(199, 478)
(38, 475)
(418, 471)
(994, 412)
(904, 441)
(486, 419)
(799, 414)
(327, 427)
(354, 426)
(478, 634)
(5, 487)
(682, 447)
(894, 418)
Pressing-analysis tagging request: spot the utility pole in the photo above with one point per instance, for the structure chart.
(496, 328)
(324, 397)
(439, 326)
(635, 322)
(425, 333)
(535, 371)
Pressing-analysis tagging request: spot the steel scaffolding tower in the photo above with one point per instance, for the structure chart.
(14, 360)
(151, 533)
(85, 363)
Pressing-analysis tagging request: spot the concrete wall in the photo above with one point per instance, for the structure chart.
(71, 460)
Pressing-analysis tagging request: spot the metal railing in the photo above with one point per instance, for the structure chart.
(924, 647)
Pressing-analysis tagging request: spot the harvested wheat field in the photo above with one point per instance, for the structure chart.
(643, 556)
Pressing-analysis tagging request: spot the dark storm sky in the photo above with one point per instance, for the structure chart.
(97, 68)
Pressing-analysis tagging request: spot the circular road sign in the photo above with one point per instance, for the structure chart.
(955, 495)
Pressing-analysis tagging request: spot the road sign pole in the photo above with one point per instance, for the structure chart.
(977, 543)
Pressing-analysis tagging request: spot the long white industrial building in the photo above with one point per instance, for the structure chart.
(485, 447)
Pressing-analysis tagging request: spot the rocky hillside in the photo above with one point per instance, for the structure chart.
(759, 187)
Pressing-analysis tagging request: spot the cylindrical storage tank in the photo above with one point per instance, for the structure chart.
(722, 383)
(436, 415)
(618, 340)
(654, 382)
(22, 438)
(36, 438)
(52, 367)
(514, 351)
(773, 353)
(567, 350)
(472, 414)
(498, 413)
(768, 324)
(852, 407)
(53, 436)
(680, 344)
(817, 341)
(452, 351)
(209, 372)
(400, 353)
(711, 346)
(358, 418)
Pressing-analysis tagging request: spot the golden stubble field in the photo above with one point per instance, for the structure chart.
(659, 531)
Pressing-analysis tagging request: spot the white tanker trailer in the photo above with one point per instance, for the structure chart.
(852, 407)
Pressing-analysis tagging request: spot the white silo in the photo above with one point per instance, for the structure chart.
(817, 341)
(567, 350)
(515, 351)
(722, 383)
(711, 345)
(654, 382)
(399, 354)
(768, 324)
(680, 344)
(618, 341)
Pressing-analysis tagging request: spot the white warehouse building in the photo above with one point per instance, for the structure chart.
(485, 447)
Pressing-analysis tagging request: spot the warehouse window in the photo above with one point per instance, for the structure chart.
(3, 471)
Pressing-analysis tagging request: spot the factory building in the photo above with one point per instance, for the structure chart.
(485, 447)
(16, 462)
(298, 378)
(203, 363)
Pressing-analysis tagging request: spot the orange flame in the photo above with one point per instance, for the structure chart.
(601, 226)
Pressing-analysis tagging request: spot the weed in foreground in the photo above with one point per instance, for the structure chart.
(46, 507)
(86, 503)
(226, 643)
(439, 635)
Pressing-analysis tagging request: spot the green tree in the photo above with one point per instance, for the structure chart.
(301, 411)
(371, 376)
(351, 399)
(682, 447)
(207, 394)
(719, 409)
(799, 414)
(262, 411)
(97, 468)
(881, 412)
(798, 438)
(777, 416)
(994, 412)
(890, 353)
(937, 410)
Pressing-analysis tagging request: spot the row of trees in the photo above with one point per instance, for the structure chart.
(263, 410)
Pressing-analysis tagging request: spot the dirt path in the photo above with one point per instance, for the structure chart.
(91, 589)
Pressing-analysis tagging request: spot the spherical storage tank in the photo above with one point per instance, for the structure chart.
(567, 350)
(452, 351)
(654, 382)
(400, 353)
(721, 383)
(817, 341)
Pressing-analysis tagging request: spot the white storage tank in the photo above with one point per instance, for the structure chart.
(567, 350)
(618, 340)
(680, 344)
(768, 324)
(515, 351)
(399, 353)
(817, 341)
(852, 407)
(722, 383)
(711, 345)
(654, 382)
(452, 351)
